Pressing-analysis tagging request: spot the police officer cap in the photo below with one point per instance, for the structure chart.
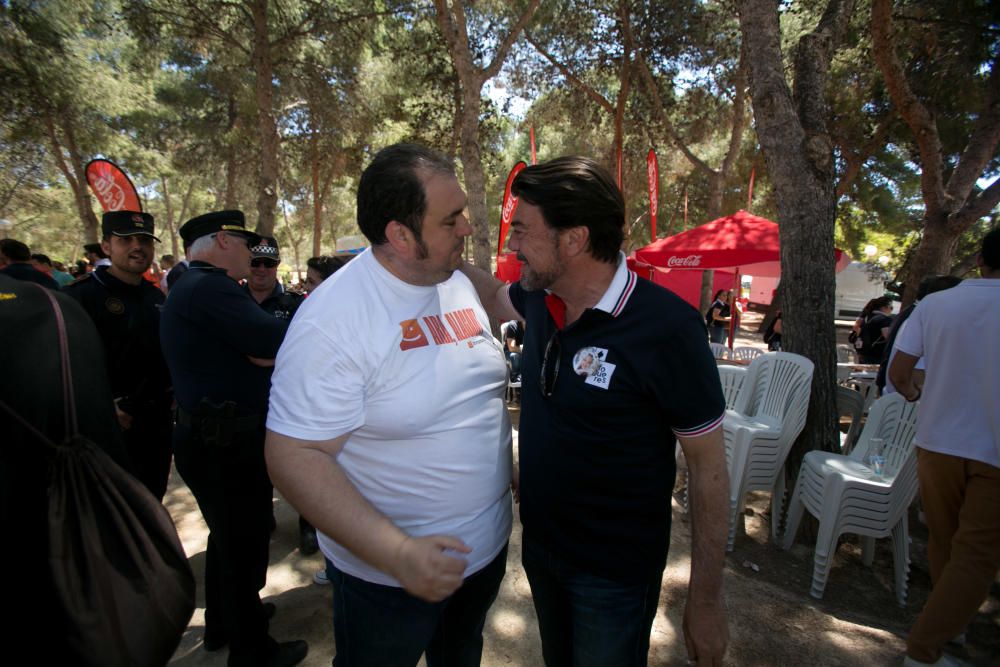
(127, 223)
(266, 249)
(232, 222)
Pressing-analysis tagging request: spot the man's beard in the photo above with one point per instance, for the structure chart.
(535, 280)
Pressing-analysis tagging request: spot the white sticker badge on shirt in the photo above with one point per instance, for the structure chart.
(592, 364)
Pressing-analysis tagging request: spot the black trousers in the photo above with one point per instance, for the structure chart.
(148, 446)
(234, 494)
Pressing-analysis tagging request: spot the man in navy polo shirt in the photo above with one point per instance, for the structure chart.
(614, 371)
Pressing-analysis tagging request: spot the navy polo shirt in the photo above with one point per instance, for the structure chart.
(597, 456)
(208, 328)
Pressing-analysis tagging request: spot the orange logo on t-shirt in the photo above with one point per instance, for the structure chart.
(413, 335)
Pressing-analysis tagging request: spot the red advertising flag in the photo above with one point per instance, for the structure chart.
(509, 206)
(653, 176)
(112, 187)
(534, 158)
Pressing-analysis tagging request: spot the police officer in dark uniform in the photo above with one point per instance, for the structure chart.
(263, 284)
(126, 310)
(218, 344)
(265, 288)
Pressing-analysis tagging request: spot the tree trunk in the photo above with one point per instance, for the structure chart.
(799, 157)
(171, 224)
(317, 203)
(950, 206)
(229, 195)
(267, 128)
(475, 180)
(451, 22)
(77, 179)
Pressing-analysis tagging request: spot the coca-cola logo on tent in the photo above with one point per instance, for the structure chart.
(689, 261)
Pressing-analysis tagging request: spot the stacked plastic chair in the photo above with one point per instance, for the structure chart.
(719, 351)
(745, 353)
(846, 496)
(732, 378)
(850, 403)
(769, 414)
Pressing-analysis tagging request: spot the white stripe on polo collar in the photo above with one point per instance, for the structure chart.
(620, 289)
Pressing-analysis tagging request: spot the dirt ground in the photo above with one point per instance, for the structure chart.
(772, 618)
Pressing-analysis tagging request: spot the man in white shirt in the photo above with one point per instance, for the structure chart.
(958, 455)
(387, 427)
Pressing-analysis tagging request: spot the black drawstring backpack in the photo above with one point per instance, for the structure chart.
(118, 569)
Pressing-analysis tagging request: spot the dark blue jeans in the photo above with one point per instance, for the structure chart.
(384, 626)
(585, 620)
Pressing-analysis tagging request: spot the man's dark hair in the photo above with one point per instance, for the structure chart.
(326, 265)
(15, 251)
(392, 188)
(41, 259)
(932, 284)
(991, 249)
(576, 191)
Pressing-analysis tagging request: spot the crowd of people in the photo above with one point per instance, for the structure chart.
(375, 405)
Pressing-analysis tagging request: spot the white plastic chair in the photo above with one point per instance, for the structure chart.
(745, 353)
(846, 496)
(845, 354)
(513, 387)
(768, 415)
(732, 378)
(850, 403)
(719, 351)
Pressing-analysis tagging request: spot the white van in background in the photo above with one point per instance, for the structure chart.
(857, 284)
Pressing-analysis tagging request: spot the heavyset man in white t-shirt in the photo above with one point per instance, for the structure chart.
(388, 431)
(958, 455)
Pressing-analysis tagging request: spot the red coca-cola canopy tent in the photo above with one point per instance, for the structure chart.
(742, 241)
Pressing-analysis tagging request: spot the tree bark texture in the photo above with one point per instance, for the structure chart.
(951, 204)
(798, 153)
(267, 128)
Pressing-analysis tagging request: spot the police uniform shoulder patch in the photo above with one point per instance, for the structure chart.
(114, 305)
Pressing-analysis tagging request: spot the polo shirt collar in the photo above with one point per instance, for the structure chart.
(612, 303)
(620, 289)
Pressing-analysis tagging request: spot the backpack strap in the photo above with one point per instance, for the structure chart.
(69, 397)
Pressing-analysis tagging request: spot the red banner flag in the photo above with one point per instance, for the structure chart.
(653, 176)
(509, 206)
(534, 158)
(753, 172)
(112, 187)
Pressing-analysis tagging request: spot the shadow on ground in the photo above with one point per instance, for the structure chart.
(773, 619)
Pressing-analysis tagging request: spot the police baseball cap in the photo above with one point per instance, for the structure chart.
(232, 222)
(127, 223)
(266, 249)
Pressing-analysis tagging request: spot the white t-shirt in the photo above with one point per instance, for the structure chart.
(890, 388)
(955, 331)
(415, 376)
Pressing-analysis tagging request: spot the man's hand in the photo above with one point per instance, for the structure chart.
(706, 632)
(426, 571)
